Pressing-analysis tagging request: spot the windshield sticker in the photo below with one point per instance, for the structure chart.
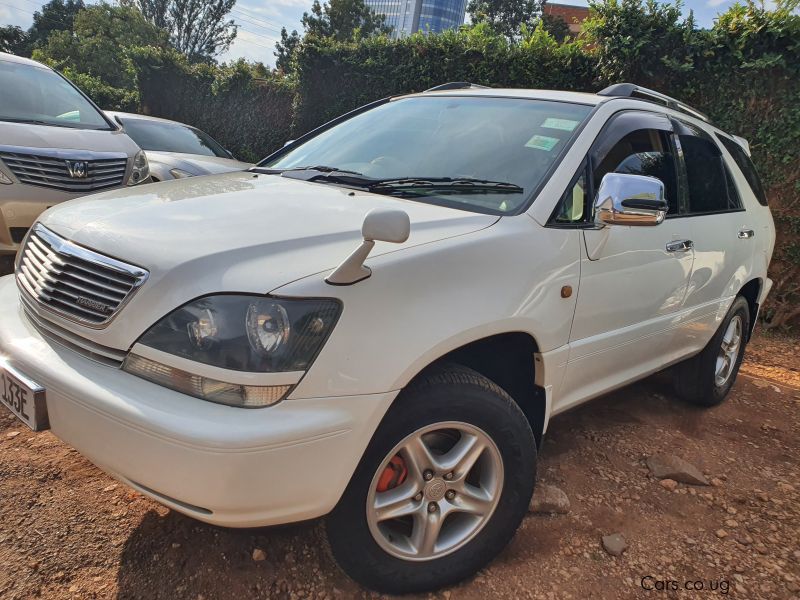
(542, 142)
(562, 124)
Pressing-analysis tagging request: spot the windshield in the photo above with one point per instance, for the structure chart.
(161, 136)
(477, 153)
(31, 94)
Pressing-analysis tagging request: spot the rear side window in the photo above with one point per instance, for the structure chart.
(746, 166)
(709, 183)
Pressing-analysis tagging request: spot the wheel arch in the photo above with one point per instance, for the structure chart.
(508, 360)
(751, 292)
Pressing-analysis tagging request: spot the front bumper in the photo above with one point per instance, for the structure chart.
(20, 206)
(228, 466)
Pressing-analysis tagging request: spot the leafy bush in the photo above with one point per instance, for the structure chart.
(248, 112)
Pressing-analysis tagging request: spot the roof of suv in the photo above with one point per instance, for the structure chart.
(576, 97)
(6, 57)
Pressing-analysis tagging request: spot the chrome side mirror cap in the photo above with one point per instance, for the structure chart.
(634, 200)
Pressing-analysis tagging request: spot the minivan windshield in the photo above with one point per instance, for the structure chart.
(485, 154)
(30, 94)
(163, 136)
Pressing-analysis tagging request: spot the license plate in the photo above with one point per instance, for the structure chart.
(23, 397)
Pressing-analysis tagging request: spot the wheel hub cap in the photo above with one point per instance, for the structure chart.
(435, 490)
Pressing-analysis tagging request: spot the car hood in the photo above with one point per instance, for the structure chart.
(236, 232)
(197, 164)
(26, 135)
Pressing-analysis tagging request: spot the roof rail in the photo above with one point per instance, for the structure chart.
(631, 90)
(456, 85)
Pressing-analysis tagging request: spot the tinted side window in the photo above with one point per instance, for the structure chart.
(642, 152)
(747, 167)
(709, 183)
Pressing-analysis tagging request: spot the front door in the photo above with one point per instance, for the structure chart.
(633, 279)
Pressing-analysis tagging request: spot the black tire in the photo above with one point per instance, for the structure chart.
(695, 379)
(452, 393)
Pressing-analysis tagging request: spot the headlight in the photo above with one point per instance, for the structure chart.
(180, 173)
(141, 168)
(254, 334)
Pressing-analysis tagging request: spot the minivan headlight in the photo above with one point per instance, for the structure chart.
(140, 170)
(254, 334)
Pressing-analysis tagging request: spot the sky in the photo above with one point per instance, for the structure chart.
(260, 22)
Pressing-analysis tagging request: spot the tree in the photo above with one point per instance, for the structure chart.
(13, 39)
(56, 15)
(199, 29)
(285, 49)
(96, 53)
(341, 20)
(506, 17)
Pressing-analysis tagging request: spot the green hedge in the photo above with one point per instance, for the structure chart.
(248, 114)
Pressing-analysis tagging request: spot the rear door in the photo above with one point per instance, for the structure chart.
(722, 231)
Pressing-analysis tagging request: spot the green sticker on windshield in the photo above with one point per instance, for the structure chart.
(542, 142)
(562, 124)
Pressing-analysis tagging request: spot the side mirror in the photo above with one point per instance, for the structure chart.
(634, 200)
(380, 225)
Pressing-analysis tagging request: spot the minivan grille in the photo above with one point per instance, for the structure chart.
(66, 174)
(75, 282)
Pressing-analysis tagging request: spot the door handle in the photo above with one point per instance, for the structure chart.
(680, 246)
(746, 234)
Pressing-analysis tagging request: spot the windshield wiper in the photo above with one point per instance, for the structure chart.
(458, 185)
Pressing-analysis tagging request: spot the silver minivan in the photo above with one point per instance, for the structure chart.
(55, 144)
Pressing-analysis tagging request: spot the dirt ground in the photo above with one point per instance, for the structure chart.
(69, 531)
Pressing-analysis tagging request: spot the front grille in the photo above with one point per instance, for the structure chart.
(69, 171)
(75, 282)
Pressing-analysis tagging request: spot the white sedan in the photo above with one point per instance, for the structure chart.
(175, 150)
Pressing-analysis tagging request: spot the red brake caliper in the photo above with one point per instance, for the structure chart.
(393, 475)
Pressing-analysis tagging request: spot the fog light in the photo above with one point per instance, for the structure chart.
(231, 394)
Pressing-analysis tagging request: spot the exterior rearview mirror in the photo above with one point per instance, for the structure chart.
(380, 225)
(634, 200)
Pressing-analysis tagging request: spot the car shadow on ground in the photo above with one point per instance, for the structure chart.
(169, 555)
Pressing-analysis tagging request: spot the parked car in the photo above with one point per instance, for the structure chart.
(175, 150)
(378, 322)
(55, 144)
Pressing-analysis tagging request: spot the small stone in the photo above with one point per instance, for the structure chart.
(110, 488)
(549, 499)
(668, 466)
(716, 482)
(785, 487)
(175, 545)
(614, 544)
(259, 555)
(760, 548)
(721, 533)
(669, 484)
(731, 523)
(12, 434)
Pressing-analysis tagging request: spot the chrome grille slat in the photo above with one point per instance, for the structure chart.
(59, 335)
(47, 170)
(74, 282)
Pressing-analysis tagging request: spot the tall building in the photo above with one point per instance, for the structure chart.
(408, 16)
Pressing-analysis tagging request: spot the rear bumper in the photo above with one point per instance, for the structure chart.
(223, 465)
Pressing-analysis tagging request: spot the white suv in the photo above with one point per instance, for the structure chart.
(377, 322)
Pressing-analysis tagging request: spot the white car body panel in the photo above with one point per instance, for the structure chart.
(633, 309)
